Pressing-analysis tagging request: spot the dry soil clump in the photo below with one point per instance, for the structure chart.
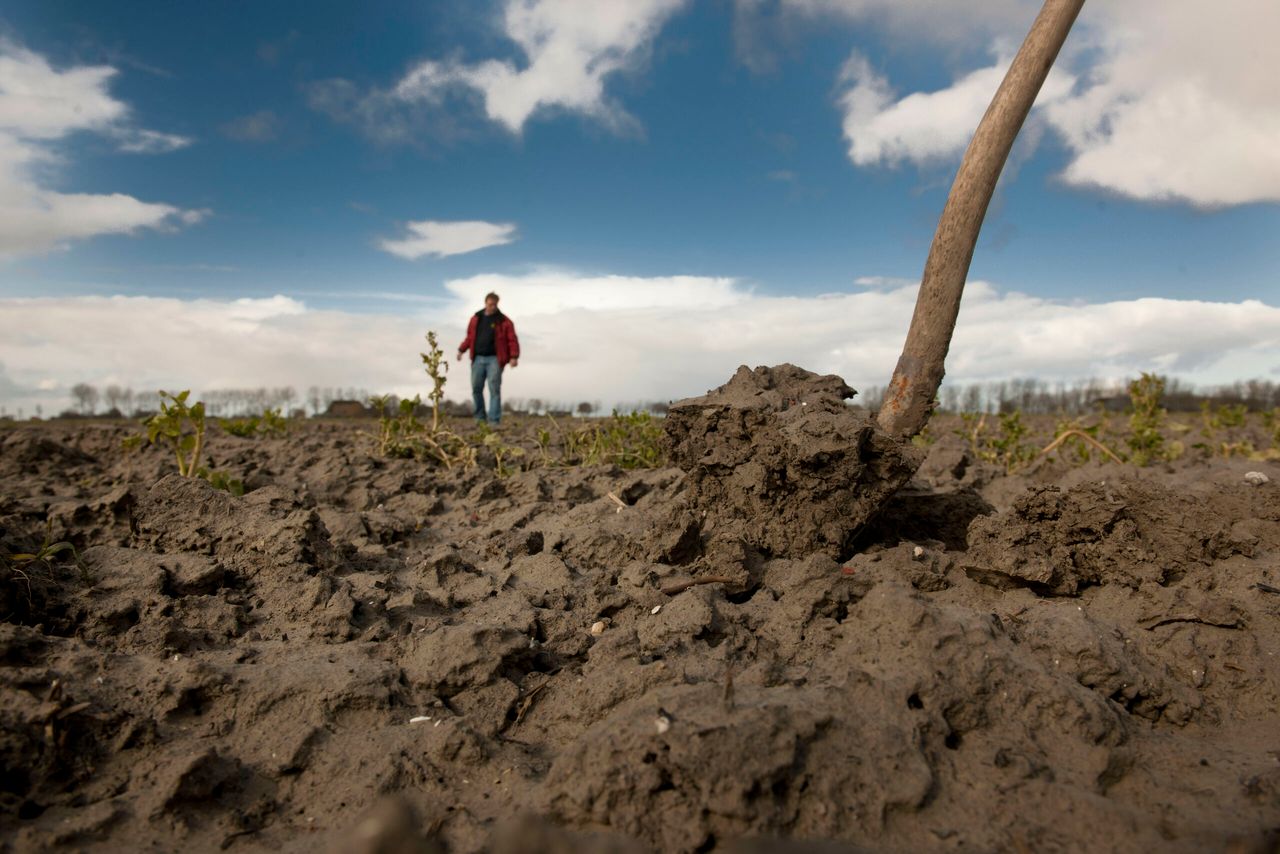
(776, 459)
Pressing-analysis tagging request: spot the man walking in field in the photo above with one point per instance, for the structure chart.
(491, 338)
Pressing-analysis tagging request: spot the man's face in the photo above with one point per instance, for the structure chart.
(490, 305)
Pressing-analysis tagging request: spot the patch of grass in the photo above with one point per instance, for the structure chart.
(633, 440)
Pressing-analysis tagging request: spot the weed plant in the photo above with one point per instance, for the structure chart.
(21, 565)
(1145, 440)
(436, 366)
(1271, 423)
(181, 428)
(1006, 448)
(170, 426)
(630, 441)
(271, 423)
(402, 434)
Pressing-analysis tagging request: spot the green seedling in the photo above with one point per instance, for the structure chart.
(1145, 439)
(399, 430)
(270, 423)
(502, 453)
(20, 562)
(971, 431)
(402, 435)
(181, 427)
(245, 428)
(1271, 423)
(924, 438)
(436, 366)
(221, 480)
(1005, 448)
(543, 438)
(1008, 448)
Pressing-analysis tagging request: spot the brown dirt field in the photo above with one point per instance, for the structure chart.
(365, 654)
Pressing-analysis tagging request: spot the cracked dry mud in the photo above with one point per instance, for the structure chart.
(361, 653)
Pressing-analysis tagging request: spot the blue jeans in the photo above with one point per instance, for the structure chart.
(482, 368)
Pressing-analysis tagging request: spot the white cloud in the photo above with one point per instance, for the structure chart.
(1181, 104)
(439, 239)
(568, 49)
(923, 126)
(141, 141)
(38, 102)
(40, 106)
(616, 338)
(1171, 102)
(936, 21)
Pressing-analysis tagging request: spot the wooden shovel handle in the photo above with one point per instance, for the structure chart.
(919, 372)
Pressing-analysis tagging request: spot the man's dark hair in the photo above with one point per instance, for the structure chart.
(491, 296)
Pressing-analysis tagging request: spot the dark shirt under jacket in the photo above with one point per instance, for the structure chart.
(486, 343)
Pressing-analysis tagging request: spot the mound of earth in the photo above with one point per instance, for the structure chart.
(777, 460)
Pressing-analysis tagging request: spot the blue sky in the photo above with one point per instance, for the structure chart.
(348, 169)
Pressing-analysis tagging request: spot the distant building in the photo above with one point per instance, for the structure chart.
(348, 409)
(1113, 403)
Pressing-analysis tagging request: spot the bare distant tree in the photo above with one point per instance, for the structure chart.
(114, 395)
(146, 402)
(86, 397)
(586, 408)
(313, 397)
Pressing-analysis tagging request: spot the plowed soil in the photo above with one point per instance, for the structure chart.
(363, 654)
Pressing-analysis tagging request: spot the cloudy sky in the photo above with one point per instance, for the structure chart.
(213, 195)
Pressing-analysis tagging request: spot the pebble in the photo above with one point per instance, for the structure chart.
(917, 552)
(656, 609)
(1256, 478)
(597, 628)
(662, 723)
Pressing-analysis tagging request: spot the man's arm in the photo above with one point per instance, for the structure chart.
(471, 336)
(513, 343)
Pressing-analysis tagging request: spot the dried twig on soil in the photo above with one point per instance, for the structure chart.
(1089, 440)
(684, 584)
(622, 505)
(526, 702)
(1266, 588)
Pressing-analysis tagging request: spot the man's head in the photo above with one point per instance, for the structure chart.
(490, 303)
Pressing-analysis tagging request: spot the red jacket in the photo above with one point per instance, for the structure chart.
(504, 339)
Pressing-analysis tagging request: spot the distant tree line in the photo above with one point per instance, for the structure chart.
(586, 408)
(116, 401)
(1082, 396)
(1028, 395)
